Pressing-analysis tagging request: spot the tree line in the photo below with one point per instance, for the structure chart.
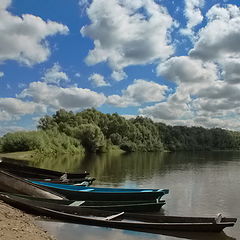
(93, 131)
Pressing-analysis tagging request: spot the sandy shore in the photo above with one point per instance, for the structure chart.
(15, 225)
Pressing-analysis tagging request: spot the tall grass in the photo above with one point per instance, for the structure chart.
(44, 142)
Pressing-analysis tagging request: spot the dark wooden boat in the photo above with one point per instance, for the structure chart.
(138, 222)
(12, 183)
(103, 194)
(40, 173)
(86, 207)
(75, 181)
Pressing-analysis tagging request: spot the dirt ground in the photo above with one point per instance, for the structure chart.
(16, 225)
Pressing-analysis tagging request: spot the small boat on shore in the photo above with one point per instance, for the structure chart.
(12, 183)
(40, 173)
(103, 194)
(86, 207)
(129, 221)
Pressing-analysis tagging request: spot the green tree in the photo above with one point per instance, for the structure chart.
(91, 137)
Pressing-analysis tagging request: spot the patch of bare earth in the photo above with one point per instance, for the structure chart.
(15, 225)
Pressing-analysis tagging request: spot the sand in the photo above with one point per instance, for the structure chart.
(16, 225)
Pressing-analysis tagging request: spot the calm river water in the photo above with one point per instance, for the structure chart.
(200, 184)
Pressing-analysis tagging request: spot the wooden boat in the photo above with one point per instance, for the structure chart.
(12, 183)
(76, 181)
(130, 221)
(86, 207)
(103, 194)
(33, 172)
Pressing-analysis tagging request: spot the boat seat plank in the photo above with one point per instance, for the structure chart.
(76, 203)
(113, 216)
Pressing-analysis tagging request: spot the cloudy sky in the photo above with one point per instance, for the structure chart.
(174, 61)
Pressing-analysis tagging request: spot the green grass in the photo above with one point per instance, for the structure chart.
(29, 155)
(32, 155)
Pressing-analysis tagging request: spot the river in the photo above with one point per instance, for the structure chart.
(200, 184)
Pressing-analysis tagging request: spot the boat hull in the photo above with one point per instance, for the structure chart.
(12, 183)
(103, 194)
(137, 222)
(33, 172)
(85, 207)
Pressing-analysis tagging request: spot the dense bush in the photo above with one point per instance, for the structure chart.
(91, 137)
(21, 141)
(50, 141)
(97, 132)
(137, 134)
(128, 146)
(141, 133)
(181, 138)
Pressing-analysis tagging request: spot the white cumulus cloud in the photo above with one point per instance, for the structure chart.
(177, 106)
(98, 80)
(141, 91)
(231, 70)
(24, 38)
(118, 75)
(188, 73)
(124, 36)
(193, 14)
(12, 108)
(221, 36)
(12, 128)
(55, 75)
(72, 98)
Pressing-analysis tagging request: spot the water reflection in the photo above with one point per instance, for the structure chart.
(68, 231)
(198, 236)
(201, 184)
(64, 231)
(116, 168)
(63, 163)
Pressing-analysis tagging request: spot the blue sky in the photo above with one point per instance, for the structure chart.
(176, 62)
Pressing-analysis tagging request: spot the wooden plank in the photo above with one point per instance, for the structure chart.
(113, 216)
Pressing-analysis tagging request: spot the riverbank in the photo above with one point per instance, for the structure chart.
(27, 156)
(31, 155)
(15, 225)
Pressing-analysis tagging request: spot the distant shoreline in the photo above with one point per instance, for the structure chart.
(25, 156)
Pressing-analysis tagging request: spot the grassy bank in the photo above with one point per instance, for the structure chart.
(27, 156)
(30, 155)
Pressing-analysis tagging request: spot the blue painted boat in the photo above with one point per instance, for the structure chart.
(74, 192)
